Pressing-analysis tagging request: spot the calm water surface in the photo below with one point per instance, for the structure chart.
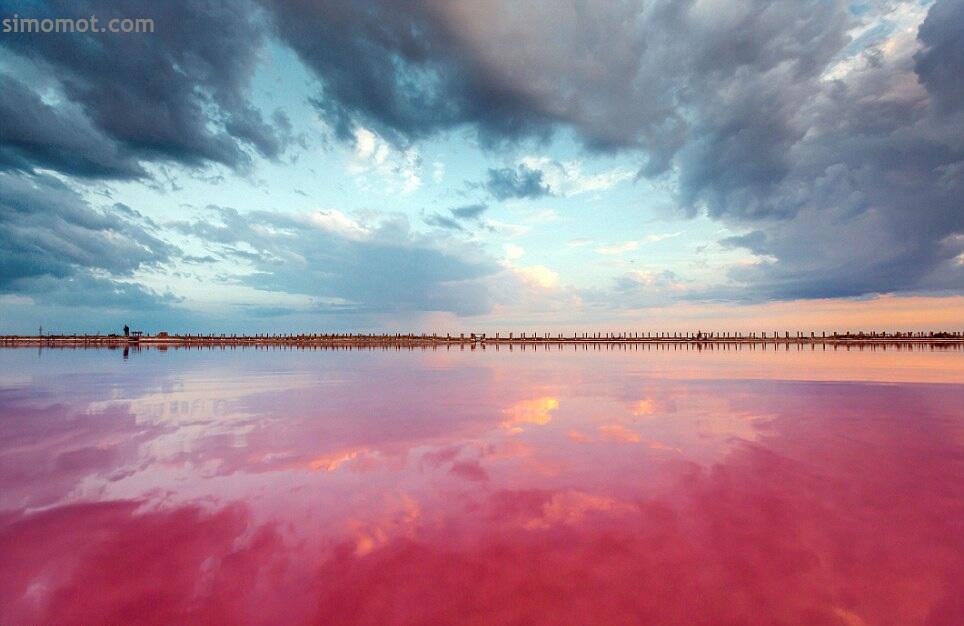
(442, 487)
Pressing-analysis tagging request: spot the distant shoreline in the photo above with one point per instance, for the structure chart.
(462, 339)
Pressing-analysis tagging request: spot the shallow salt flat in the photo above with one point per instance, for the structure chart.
(466, 486)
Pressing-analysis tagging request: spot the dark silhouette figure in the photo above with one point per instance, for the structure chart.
(127, 330)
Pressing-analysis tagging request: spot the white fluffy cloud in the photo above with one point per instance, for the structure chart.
(566, 178)
(378, 164)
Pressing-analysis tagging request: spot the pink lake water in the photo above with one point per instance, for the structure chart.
(608, 486)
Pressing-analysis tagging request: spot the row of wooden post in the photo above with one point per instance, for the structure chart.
(698, 335)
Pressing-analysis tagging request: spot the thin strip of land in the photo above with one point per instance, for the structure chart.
(424, 339)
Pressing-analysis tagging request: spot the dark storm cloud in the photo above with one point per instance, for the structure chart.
(400, 69)
(620, 74)
(350, 267)
(940, 64)
(33, 133)
(853, 183)
(84, 290)
(458, 217)
(55, 248)
(521, 182)
(199, 260)
(860, 191)
(852, 178)
(442, 221)
(753, 241)
(469, 211)
(178, 94)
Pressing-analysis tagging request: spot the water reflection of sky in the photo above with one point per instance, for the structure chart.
(441, 487)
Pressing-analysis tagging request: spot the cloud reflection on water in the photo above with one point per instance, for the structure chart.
(400, 488)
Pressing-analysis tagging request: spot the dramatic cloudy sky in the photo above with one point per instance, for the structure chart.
(481, 164)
